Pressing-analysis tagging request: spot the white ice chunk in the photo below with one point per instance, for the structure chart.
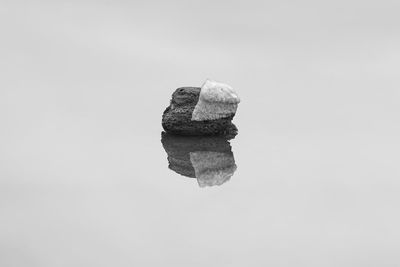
(216, 100)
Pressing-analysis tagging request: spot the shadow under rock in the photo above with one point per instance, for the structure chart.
(209, 159)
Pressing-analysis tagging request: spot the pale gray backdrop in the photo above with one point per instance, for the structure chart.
(84, 180)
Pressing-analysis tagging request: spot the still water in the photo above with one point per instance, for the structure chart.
(88, 179)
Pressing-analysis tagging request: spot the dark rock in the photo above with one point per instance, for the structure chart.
(207, 158)
(177, 118)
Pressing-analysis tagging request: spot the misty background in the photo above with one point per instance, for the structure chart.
(84, 179)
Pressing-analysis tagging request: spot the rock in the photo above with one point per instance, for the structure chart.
(208, 110)
(209, 159)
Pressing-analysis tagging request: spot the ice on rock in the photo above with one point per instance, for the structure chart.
(216, 100)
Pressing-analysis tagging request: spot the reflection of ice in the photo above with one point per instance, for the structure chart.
(212, 168)
(209, 159)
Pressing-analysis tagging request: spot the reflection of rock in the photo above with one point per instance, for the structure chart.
(209, 159)
(208, 110)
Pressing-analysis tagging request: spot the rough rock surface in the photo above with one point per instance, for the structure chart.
(177, 118)
(207, 158)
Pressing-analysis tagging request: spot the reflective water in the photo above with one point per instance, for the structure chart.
(208, 159)
(86, 179)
